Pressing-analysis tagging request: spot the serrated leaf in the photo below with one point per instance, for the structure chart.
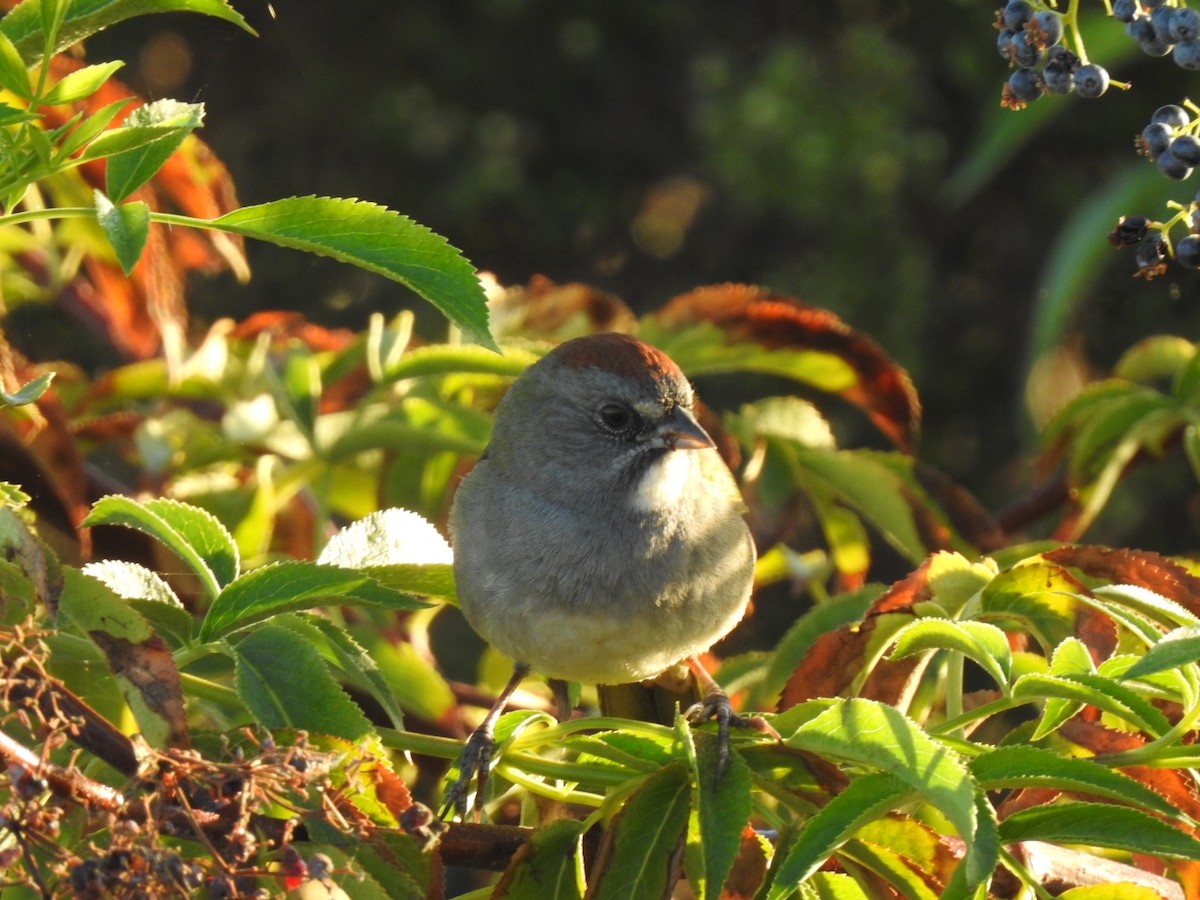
(980, 642)
(91, 127)
(137, 656)
(1033, 767)
(1038, 597)
(275, 588)
(877, 735)
(1176, 648)
(1070, 657)
(723, 808)
(379, 240)
(82, 18)
(13, 74)
(385, 538)
(890, 867)
(126, 226)
(285, 684)
(28, 392)
(350, 657)
(166, 123)
(550, 865)
(643, 839)
(193, 534)
(1100, 825)
(863, 800)
(80, 83)
(1094, 690)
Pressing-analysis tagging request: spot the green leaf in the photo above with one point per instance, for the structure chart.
(193, 534)
(723, 807)
(1176, 648)
(1036, 596)
(350, 657)
(82, 18)
(28, 392)
(13, 74)
(863, 800)
(1021, 766)
(1161, 356)
(888, 866)
(1071, 657)
(80, 83)
(91, 127)
(126, 227)
(285, 684)
(275, 588)
(644, 838)
(877, 735)
(92, 606)
(376, 239)
(147, 593)
(1095, 690)
(446, 359)
(164, 124)
(1100, 825)
(980, 642)
(550, 865)
(387, 537)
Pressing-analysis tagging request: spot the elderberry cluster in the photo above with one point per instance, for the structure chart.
(1031, 40)
(1169, 142)
(1154, 248)
(1160, 29)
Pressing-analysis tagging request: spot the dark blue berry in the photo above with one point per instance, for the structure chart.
(1187, 251)
(1151, 252)
(1155, 139)
(1185, 24)
(1091, 80)
(1025, 84)
(1124, 10)
(1048, 26)
(1171, 115)
(1058, 78)
(1024, 53)
(1004, 44)
(1129, 230)
(1142, 31)
(1016, 14)
(1062, 56)
(1187, 55)
(1173, 168)
(1186, 149)
(1160, 18)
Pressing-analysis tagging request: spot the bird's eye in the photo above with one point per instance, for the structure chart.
(616, 416)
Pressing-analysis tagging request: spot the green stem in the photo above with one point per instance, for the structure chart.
(204, 689)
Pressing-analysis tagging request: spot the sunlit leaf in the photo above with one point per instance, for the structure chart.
(984, 644)
(166, 123)
(376, 239)
(28, 392)
(549, 865)
(80, 83)
(1100, 825)
(285, 684)
(1176, 648)
(126, 226)
(13, 74)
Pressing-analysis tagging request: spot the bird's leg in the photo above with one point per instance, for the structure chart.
(476, 758)
(715, 705)
(562, 698)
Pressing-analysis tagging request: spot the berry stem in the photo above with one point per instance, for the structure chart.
(1071, 26)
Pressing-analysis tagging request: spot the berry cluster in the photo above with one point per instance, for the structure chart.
(1160, 29)
(1031, 40)
(1170, 141)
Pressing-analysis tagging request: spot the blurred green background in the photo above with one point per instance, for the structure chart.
(852, 154)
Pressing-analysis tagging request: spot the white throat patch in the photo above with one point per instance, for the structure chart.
(664, 482)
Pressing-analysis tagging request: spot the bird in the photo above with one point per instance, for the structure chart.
(600, 538)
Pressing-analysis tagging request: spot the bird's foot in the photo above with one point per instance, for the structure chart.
(474, 764)
(716, 706)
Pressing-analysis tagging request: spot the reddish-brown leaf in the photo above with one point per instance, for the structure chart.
(544, 309)
(836, 657)
(149, 666)
(749, 868)
(1138, 567)
(883, 389)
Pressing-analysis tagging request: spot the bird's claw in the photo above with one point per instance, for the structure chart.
(474, 763)
(716, 705)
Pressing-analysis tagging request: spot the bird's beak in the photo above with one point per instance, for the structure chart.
(680, 431)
